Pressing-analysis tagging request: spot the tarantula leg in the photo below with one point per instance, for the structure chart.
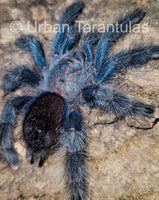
(71, 13)
(19, 76)
(117, 103)
(88, 42)
(29, 43)
(75, 140)
(8, 122)
(66, 22)
(119, 29)
(72, 38)
(124, 59)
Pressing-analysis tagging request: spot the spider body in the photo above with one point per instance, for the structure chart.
(68, 77)
(52, 118)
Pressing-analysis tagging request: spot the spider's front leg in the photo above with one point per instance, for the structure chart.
(68, 35)
(8, 122)
(117, 103)
(29, 43)
(75, 140)
(119, 29)
(88, 42)
(125, 59)
(19, 77)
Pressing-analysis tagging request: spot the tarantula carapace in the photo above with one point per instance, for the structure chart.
(74, 74)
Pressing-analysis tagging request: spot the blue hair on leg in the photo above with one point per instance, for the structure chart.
(88, 43)
(29, 43)
(116, 103)
(61, 42)
(75, 140)
(114, 33)
(8, 122)
(125, 59)
(19, 77)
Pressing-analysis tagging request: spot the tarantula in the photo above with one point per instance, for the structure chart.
(52, 117)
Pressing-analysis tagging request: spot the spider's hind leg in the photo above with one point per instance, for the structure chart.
(75, 140)
(19, 77)
(8, 122)
(116, 103)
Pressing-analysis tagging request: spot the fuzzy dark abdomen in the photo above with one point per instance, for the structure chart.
(43, 120)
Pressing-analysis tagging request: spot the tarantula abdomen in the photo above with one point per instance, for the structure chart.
(43, 120)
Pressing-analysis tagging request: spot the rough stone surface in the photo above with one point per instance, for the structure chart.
(124, 154)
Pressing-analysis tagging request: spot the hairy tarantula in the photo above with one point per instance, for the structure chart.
(52, 117)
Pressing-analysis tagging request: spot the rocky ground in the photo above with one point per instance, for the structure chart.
(124, 155)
